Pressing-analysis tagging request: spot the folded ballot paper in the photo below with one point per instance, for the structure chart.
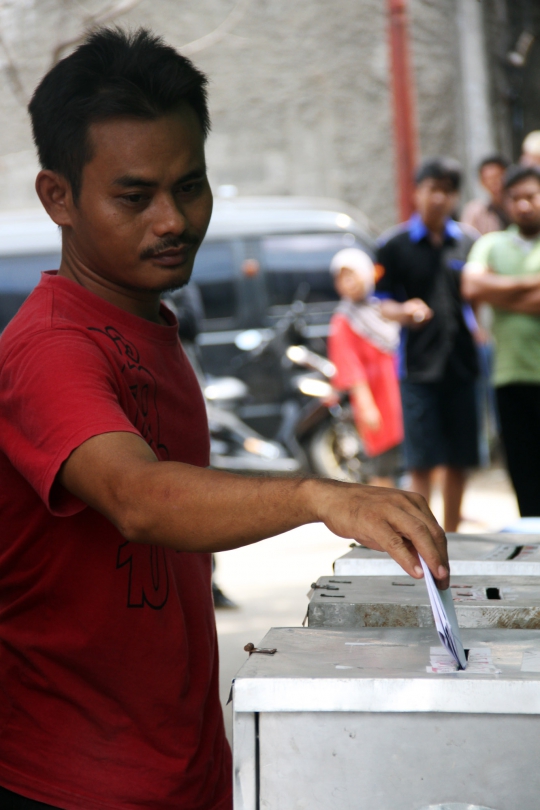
(444, 614)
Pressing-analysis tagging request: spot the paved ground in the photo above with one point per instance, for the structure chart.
(270, 580)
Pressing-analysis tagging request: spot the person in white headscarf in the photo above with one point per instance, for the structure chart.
(362, 345)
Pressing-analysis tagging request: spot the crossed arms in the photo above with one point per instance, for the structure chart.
(519, 294)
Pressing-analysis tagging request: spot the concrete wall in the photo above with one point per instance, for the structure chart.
(299, 91)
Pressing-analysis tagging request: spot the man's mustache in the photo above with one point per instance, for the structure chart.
(186, 240)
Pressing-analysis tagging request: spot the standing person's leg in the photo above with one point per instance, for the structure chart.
(519, 414)
(421, 483)
(453, 488)
(458, 407)
(424, 444)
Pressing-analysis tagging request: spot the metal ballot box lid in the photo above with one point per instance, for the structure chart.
(385, 670)
(469, 554)
(505, 602)
(352, 720)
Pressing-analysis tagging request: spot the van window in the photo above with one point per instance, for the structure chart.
(21, 273)
(290, 260)
(214, 274)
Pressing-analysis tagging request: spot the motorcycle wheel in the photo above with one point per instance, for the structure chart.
(335, 451)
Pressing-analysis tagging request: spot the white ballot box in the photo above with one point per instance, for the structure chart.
(374, 719)
(469, 554)
(400, 601)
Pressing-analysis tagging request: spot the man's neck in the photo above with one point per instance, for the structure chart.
(143, 304)
(436, 231)
(436, 234)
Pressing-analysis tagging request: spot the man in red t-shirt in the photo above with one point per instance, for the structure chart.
(108, 666)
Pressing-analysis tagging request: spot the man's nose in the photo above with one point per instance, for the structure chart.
(167, 217)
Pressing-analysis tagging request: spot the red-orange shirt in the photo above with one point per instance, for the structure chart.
(357, 360)
(108, 654)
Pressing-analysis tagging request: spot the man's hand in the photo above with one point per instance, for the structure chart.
(193, 509)
(413, 314)
(394, 521)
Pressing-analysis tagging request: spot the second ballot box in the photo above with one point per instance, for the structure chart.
(510, 602)
(469, 555)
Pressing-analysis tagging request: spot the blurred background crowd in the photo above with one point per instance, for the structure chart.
(366, 304)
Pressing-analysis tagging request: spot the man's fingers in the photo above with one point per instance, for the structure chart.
(433, 549)
(399, 523)
(405, 533)
(400, 549)
(437, 534)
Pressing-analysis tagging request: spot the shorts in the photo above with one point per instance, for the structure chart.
(441, 424)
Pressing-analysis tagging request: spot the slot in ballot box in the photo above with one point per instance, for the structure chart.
(353, 720)
(505, 602)
(469, 554)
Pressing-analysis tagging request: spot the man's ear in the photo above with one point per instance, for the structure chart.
(54, 191)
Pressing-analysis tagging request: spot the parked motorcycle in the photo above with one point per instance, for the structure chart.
(316, 423)
(234, 446)
(326, 428)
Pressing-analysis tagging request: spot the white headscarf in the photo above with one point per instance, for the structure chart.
(357, 261)
(365, 317)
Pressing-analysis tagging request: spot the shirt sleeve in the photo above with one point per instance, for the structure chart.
(57, 390)
(481, 250)
(344, 355)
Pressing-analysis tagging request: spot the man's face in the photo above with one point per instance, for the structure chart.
(491, 177)
(523, 205)
(435, 201)
(144, 204)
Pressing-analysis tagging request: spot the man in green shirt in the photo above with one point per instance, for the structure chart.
(503, 269)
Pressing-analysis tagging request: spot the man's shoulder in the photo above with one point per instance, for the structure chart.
(490, 248)
(33, 317)
(493, 240)
(475, 206)
(394, 235)
(44, 323)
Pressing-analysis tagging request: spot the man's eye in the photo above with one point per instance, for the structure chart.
(189, 188)
(134, 198)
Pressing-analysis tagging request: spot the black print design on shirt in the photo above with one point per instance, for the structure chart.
(148, 574)
(143, 387)
(148, 569)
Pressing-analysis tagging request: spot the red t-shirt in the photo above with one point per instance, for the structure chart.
(357, 360)
(108, 653)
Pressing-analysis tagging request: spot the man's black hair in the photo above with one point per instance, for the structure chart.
(498, 160)
(112, 74)
(515, 174)
(442, 168)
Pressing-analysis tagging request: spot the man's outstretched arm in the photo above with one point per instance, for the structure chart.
(193, 509)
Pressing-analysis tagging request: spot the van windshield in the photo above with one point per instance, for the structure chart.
(289, 261)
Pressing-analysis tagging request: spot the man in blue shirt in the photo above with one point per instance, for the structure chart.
(421, 262)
